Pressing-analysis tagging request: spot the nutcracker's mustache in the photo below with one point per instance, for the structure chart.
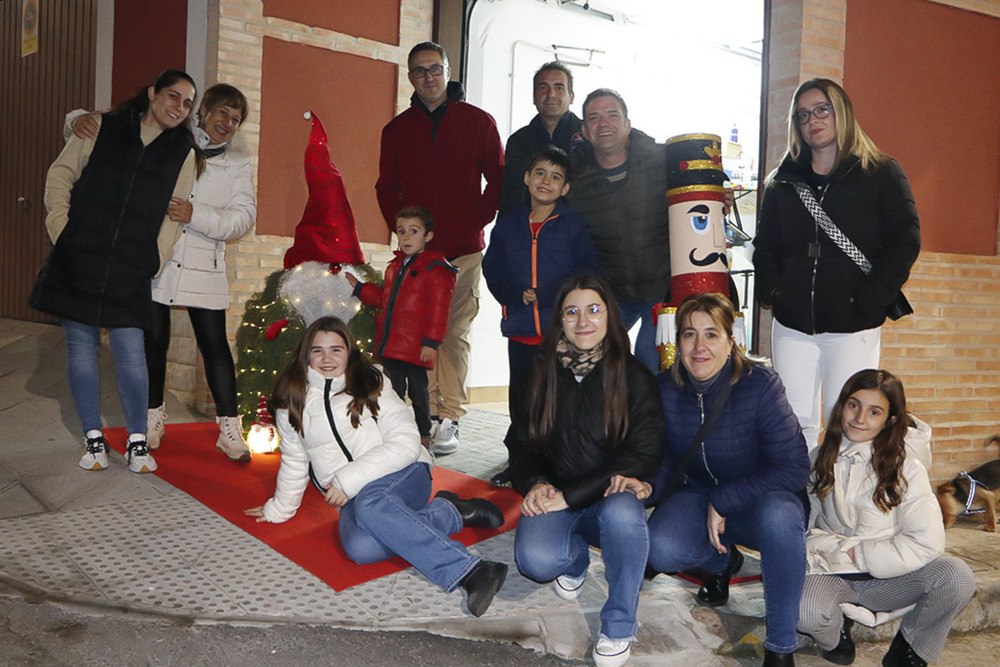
(707, 260)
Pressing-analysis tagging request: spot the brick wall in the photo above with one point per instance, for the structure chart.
(946, 354)
(236, 29)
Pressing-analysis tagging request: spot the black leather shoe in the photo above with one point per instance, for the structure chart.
(843, 653)
(501, 479)
(772, 659)
(476, 512)
(714, 590)
(482, 584)
(901, 654)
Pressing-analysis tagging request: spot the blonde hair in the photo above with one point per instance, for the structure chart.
(851, 139)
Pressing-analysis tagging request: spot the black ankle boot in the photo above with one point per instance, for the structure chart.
(714, 590)
(476, 512)
(772, 659)
(843, 653)
(901, 654)
(482, 583)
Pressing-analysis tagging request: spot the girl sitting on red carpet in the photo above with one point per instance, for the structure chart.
(343, 426)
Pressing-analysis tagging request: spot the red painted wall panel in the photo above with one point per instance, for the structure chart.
(354, 97)
(925, 82)
(373, 19)
(149, 38)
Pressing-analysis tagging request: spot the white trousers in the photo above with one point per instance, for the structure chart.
(814, 368)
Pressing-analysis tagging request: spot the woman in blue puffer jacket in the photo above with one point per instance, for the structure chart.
(746, 482)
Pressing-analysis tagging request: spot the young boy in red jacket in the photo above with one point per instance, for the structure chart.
(413, 302)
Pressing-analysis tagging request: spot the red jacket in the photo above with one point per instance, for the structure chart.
(413, 306)
(443, 173)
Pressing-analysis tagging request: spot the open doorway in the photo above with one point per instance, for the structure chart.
(682, 67)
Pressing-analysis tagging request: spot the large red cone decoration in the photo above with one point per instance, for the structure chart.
(327, 232)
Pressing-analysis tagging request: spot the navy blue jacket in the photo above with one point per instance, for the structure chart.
(755, 446)
(516, 260)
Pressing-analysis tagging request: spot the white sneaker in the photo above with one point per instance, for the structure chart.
(567, 587)
(231, 442)
(95, 454)
(446, 439)
(138, 457)
(611, 652)
(156, 420)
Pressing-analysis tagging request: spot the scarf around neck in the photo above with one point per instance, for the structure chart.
(576, 361)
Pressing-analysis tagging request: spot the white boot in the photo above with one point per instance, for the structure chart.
(156, 421)
(231, 442)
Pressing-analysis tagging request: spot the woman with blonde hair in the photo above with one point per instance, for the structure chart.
(838, 232)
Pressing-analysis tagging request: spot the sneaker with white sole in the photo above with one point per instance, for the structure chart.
(95, 453)
(231, 442)
(156, 421)
(138, 457)
(446, 439)
(567, 587)
(611, 652)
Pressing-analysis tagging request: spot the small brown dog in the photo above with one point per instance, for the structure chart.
(953, 496)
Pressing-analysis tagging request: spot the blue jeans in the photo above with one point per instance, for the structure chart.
(391, 517)
(82, 343)
(549, 545)
(774, 525)
(645, 342)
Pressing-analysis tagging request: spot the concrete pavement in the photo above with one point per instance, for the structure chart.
(113, 540)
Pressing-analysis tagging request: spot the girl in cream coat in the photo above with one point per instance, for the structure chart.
(343, 426)
(876, 537)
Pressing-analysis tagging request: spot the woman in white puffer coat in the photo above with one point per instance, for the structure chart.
(222, 208)
(343, 427)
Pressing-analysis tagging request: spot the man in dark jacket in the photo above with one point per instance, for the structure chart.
(553, 125)
(619, 187)
(436, 154)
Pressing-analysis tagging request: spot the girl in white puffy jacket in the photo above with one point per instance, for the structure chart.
(876, 537)
(343, 426)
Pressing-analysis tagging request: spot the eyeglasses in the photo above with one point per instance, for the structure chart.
(593, 312)
(423, 72)
(821, 111)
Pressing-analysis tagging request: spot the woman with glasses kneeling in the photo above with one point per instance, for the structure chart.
(585, 429)
(745, 475)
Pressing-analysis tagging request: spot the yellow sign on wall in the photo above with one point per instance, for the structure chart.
(29, 27)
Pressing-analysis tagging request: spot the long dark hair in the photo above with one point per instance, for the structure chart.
(363, 379)
(545, 387)
(136, 106)
(888, 447)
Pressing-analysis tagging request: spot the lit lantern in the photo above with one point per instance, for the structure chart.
(263, 437)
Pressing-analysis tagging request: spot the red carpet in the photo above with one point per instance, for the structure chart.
(187, 459)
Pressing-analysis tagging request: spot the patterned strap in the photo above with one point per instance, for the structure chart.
(831, 229)
(972, 493)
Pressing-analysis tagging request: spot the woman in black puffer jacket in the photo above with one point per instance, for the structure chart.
(585, 431)
(827, 310)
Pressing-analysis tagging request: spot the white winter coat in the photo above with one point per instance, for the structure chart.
(379, 447)
(224, 209)
(909, 537)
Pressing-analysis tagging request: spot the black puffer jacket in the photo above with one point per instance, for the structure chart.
(580, 462)
(628, 219)
(829, 293)
(99, 271)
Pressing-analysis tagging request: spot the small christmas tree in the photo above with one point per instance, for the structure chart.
(310, 286)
